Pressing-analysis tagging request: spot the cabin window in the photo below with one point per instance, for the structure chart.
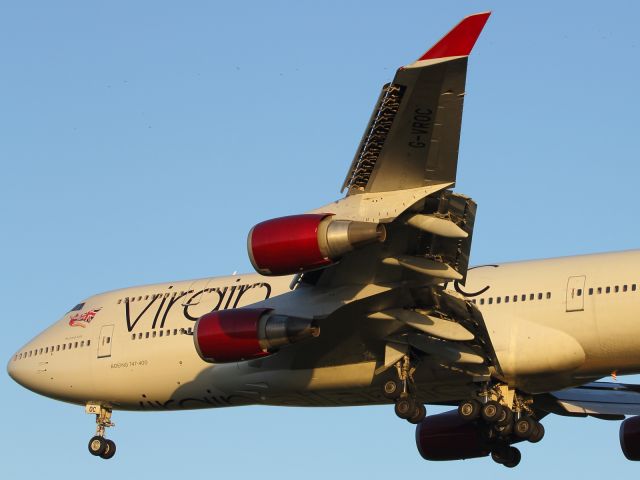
(548, 295)
(490, 301)
(579, 292)
(175, 331)
(498, 299)
(88, 342)
(119, 301)
(75, 345)
(608, 290)
(515, 298)
(633, 287)
(599, 290)
(506, 299)
(154, 334)
(532, 296)
(616, 289)
(161, 332)
(146, 335)
(133, 336)
(139, 335)
(624, 288)
(591, 291)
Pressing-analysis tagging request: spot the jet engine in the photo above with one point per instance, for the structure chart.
(630, 438)
(447, 436)
(245, 333)
(298, 243)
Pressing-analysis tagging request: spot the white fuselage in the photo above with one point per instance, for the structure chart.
(553, 323)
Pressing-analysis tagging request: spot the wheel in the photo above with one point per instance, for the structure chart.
(110, 451)
(524, 427)
(419, 414)
(392, 389)
(506, 417)
(97, 445)
(491, 411)
(404, 408)
(500, 454)
(469, 409)
(538, 433)
(513, 457)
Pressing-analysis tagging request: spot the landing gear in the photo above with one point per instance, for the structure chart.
(402, 391)
(505, 416)
(508, 456)
(100, 446)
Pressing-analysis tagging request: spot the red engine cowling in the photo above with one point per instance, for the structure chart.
(246, 333)
(630, 438)
(446, 436)
(305, 242)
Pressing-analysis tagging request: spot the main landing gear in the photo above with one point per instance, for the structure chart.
(100, 446)
(403, 392)
(507, 417)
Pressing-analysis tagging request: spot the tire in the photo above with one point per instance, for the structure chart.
(392, 389)
(506, 418)
(524, 427)
(538, 433)
(419, 414)
(469, 409)
(97, 445)
(110, 450)
(500, 454)
(513, 457)
(404, 408)
(491, 411)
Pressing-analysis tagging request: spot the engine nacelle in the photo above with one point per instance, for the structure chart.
(246, 333)
(630, 438)
(305, 242)
(446, 436)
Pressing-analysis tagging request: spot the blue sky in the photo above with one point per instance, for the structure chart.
(140, 141)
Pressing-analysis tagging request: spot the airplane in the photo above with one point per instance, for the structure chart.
(370, 300)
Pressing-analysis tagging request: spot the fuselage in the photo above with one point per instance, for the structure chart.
(553, 323)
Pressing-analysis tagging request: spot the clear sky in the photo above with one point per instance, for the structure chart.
(140, 141)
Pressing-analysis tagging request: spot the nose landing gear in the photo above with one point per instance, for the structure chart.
(100, 446)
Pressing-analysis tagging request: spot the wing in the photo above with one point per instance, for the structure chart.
(598, 399)
(413, 135)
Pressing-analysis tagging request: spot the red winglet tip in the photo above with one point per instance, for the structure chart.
(460, 40)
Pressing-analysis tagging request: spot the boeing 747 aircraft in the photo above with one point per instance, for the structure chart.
(370, 300)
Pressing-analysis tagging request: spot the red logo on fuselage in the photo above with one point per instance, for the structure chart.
(83, 319)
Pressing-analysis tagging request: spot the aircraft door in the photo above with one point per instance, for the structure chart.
(575, 293)
(105, 341)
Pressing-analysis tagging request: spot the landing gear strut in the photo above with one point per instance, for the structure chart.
(100, 446)
(402, 391)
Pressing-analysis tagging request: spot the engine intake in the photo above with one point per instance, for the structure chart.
(245, 333)
(298, 243)
(630, 438)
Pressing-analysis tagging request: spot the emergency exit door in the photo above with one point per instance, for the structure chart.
(575, 293)
(105, 341)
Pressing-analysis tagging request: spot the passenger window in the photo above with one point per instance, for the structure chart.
(633, 287)
(82, 343)
(161, 332)
(168, 332)
(608, 289)
(57, 348)
(190, 331)
(40, 351)
(482, 301)
(599, 290)
(88, 342)
(108, 339)
(524, 297)
(506, 299)
(616, 289)
(490, 300)
(624, 288)
(133, 336)
(75, 345)
(540, 295)
(154, 334)
(548, 295)
(64, 346)
(175, 331)
(591, 291)
(46, 350)
(498, 299)
(579, 292)
(139, 335)
(532, 296)
(146, 335)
